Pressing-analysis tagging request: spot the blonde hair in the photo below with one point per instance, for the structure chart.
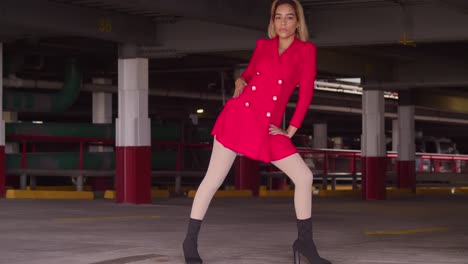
(301, 32)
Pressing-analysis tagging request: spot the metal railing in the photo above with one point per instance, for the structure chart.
(79, 173)
(328, 165)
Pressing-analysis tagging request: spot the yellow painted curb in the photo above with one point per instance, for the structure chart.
(344, 187)
(182, 188)
(25, 194)
(60, 188)
(226, 193)
(336, 193)
(276, 193)
(436, 190)
(108, 194)
(160, 194)
(406, 232)
(429, 190)
(399, 191)
(155, 193)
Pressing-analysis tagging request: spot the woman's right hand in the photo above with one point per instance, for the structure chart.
(240, 84)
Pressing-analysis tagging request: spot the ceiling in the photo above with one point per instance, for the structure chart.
(38, 52)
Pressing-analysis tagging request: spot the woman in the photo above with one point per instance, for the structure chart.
(249, 123)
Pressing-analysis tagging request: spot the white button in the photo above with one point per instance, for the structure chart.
(247, 104)
(258, 73)
(275, 98)
(268, 114)
(254, 88)
(280, 81)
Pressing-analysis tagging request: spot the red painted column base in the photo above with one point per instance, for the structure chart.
(2, 172)
(406, 174)
(373, 178)
(246, 173)
(133, 175)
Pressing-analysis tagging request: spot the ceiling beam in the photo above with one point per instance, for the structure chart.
(62, 19)
(387, 23)
(194, 36)
(243, 13)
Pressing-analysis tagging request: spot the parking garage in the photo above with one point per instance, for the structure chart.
(108, 106)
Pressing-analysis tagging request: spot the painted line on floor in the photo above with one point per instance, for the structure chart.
(133, 259)
(406, 232)
(79, 219)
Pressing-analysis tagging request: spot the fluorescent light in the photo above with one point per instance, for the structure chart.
(346, 88)
(200, 111)
(37, 122)
(351, 80)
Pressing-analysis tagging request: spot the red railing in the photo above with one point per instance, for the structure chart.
(326, 161)
(24, 139)
(82, 142)
(180, 145)
(435, 163)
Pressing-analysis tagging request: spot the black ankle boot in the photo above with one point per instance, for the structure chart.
(190, 244)
(304, 246)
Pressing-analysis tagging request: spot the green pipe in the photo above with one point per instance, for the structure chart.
(86, 130)
(42, 102)
(97, 131)
(160, 160)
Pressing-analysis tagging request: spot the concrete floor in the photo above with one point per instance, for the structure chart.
(432, 229)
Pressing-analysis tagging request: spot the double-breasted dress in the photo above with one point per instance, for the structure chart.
(243, 124)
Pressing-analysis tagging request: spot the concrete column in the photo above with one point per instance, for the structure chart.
(11, 117)
(406, 148)
(373, 146)
(2, 130)
(133, 142)
(102, 114)
(338, 142)
(320, 136)
(14, 147)
(102, 110)
(395, 134)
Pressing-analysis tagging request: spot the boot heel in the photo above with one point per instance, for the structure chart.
(297, 257)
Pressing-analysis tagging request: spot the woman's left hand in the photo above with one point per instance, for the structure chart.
(274, 130)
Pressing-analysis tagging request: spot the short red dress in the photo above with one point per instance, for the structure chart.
(243, 124)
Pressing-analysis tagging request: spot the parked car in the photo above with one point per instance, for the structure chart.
(433, 145)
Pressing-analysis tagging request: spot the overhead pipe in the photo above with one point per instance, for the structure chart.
(215, 97)
(16, 101)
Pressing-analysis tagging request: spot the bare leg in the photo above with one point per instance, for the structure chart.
(220, 163)
(296, 169)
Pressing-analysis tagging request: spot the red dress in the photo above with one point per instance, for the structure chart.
(243, 124)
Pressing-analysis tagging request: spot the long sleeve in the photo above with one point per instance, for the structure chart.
(306, 85)
(250, 70)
